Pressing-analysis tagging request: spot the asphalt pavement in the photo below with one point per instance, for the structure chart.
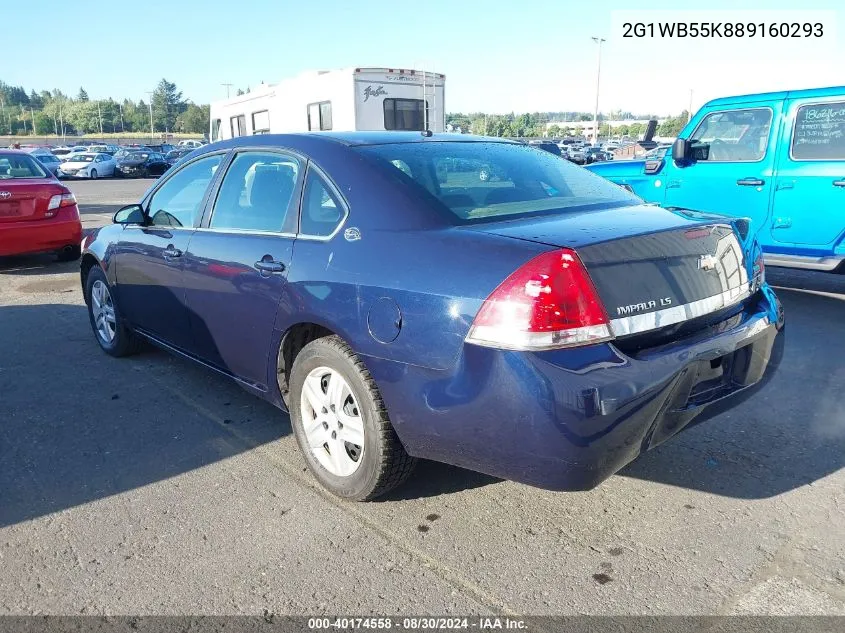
(149, 485)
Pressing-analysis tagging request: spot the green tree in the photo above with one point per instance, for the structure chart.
(43, 124)
(194, 120)
(553, 130)
(167, 105)
(82, 96)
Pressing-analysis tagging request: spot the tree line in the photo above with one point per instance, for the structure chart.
(559, 124)
(53, 112)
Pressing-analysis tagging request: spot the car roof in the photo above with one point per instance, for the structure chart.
(388, 137)
(832, 91)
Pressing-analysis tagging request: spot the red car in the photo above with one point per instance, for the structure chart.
(37, 213)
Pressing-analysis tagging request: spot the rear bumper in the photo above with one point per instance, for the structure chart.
(21, 238)
(568, 419)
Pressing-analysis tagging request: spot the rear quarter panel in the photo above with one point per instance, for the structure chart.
(422, 287)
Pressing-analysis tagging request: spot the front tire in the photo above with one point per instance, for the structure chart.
(93, 174)
(109, 327)
(341, 424)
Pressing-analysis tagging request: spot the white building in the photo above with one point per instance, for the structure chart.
(586, 128)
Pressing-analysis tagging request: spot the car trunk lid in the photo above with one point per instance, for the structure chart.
(651, 267)
(26, 199)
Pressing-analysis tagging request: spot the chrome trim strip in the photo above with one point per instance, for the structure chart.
(245, 232)
(638, 323)
(804, 262)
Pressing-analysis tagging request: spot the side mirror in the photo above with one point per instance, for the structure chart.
(132, 214)
(682, 151)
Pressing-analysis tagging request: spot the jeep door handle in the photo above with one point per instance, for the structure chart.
(269, 266)
(839, 183)
(171, 252)
(750, 182)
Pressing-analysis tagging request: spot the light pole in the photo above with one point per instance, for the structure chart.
(227, 89)
(689, 112)
(599, 41)
(152, 130)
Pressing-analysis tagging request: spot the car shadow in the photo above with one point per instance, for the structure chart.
(791, 433)
(41, 264)
(77, 425)
(433, 479)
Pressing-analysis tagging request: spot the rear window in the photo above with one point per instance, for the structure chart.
(480, 182)
(20, 166)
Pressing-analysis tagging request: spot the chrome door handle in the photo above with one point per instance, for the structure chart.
(839, 183)
(750, 182)
(171, 252)
(270, 266)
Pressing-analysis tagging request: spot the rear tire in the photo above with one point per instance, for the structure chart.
(110, 330)
(364, 471)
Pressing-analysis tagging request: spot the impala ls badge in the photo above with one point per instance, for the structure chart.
(644, 306)
(5, 195)
(707, 262)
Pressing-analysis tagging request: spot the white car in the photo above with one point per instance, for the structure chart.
(190, 143)
(64, 152)
(88, 165)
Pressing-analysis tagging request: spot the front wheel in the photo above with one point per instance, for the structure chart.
(341, 424)
(109, 327)
(93, 174)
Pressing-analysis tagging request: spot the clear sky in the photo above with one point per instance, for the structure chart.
(525, 55)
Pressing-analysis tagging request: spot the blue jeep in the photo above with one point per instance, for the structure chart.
(776, 158)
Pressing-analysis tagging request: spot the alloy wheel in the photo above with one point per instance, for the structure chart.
(102, 308)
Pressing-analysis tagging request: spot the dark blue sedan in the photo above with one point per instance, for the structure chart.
(542, 326)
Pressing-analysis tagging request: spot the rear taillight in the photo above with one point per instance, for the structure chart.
(58, 201)
(548, 303)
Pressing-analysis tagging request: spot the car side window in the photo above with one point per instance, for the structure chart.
(732, 136)
(819, 132)
(257, 193)
(177, 202)
(322, 210)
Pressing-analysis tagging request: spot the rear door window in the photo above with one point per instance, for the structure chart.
(322, 209)
(819, 132)
(257, 193)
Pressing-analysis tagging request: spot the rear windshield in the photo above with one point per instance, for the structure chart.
(20, 166)
(480, 182)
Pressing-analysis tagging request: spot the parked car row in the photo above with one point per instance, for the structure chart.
(104, 160)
